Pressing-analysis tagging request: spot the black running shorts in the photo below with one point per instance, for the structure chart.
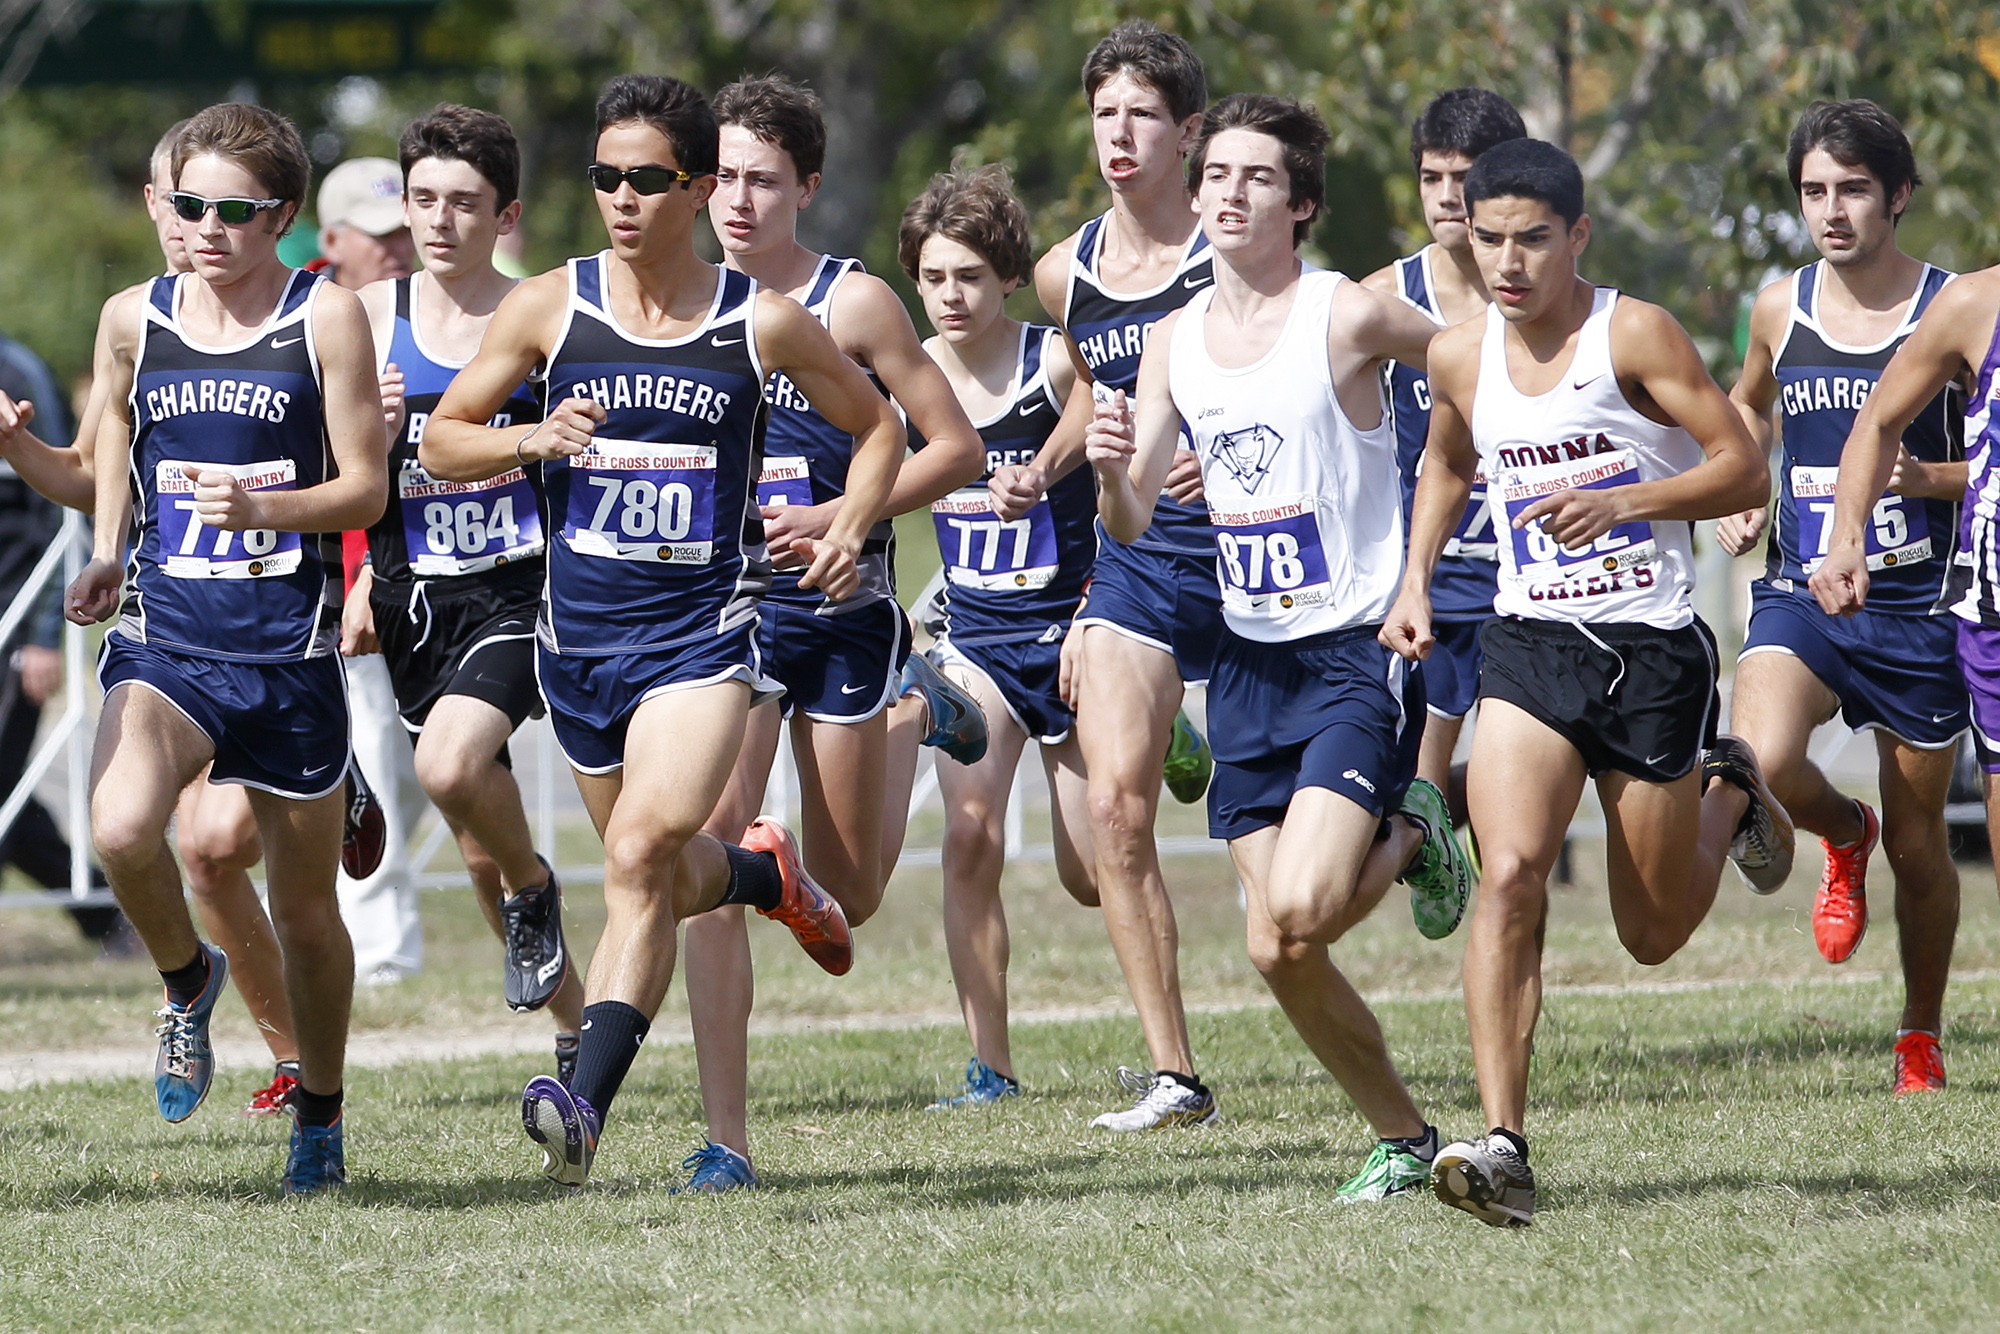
(1628, 697)
(468, 636)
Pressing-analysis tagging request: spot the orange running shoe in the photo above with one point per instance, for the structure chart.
(812, 914)
(274, 1096)
(1919, 1064)
(1840, 909)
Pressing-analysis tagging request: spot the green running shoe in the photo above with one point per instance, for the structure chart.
(1439, 876)
(1189, 762)
(1391, 1169)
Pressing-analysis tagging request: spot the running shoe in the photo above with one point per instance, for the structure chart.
(983, 1085)
(275, 1096)
(716, 1169)
(1919, 1064)
(567, 1046)
(536, 963)
(928, 611)
(1486, 1178)
(186, 1063)
(1440, 874)
(564, 1125)
(365, 832)
(1840, 909)
(958, 724)
(1391, 1169)
(1160, 1100)
(1189, 761)
(812, 914)
(318, 1160)
(1762, 847)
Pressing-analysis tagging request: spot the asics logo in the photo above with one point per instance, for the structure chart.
(1354, 776)
(280, 343)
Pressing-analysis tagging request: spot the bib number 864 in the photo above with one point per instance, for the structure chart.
(467, 528)
(1259, 561)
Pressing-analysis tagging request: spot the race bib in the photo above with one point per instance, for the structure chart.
(1898, 529)
(982, 550)
(1475, 539)
(634, 501)
(1272, 559)
(784, 482)
(1536, 556)
(453, 528)
(190, 549)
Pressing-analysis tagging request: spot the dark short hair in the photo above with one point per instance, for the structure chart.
(1299, 131)
(1527, 169)
(483, 141)
(1163, 60)
(1856, 133)
(780, 112)
(677, 110)
(259, 140)
(163, 151)
(1464, 120)
(976, 208)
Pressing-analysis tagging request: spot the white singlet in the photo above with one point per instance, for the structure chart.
(1581, 433)
(1307, 507)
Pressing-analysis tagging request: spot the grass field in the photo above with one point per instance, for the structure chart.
(1714, 1140)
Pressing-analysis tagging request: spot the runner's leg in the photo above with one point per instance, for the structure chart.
(1069, 819)
(1665, 845)
(1775, 704)
(1914, 838)
(301, 856)
(155, 752)
(218, 842)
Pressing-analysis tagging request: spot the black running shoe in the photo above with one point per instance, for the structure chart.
(366, 831)
(567, 1046)
(536, 960)
(1763, 843)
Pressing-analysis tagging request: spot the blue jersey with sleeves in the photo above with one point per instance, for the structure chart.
(805, 463)
(1110, 329)
(1468, 572)
(256, 410)
(655, 536)
(1822, 384)
(438, 529)
(1018, 581)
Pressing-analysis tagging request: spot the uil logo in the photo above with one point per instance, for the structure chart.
(1247, 453)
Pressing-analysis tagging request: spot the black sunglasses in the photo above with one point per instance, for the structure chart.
(643, 180)
(233, 212)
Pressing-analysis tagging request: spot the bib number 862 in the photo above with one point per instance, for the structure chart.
(644, 509)
(1256, 561)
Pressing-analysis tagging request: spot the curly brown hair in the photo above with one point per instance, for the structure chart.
(975, 207)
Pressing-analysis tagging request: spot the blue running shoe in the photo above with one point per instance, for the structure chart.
(958, 724)
(718, 1169)
(318, 1161)
(983, 1085)
(564, 1125)
(186, 1063)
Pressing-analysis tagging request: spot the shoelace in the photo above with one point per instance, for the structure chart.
(1918, 1062)
(1137, 1083)
(177, 1027)
(523, 931)
(705, 1156)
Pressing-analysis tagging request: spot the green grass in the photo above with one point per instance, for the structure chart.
(1720, 1156)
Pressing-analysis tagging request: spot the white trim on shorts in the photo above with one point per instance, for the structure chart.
(214, 748)
(1147, 640)
(1793, 654)
(955, 656)
(761, 689)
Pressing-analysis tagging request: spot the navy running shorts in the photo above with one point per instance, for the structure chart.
(1890, 670)
(592, 697)
(1024, 673)
(1451, 672)
(839, 669)
(280, 727)
(1337, 711)
(1172, 603)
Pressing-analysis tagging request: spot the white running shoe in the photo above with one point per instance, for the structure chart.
(1486, 1178)
(1162, 1100)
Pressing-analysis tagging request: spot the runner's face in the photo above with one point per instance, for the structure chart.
(1441, 188)
(453, 222)
(646, 227)
(1137, 139)
(1526, 253)
(962, 295)
(165, 222)
(1245, 194)
(758, 194)
(1846, 209)
(216, 251)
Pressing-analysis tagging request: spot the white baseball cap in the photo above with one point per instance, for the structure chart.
(363, 192)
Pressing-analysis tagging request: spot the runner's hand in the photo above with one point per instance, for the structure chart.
(1069, 665)
(41, 672)
(785, 525)
(93, 596)
(1575, 517)
(1407, 627)
(1184, 478)
(830, 567)
(220, 500)
(1110, 441)
(1015, 489)
(15, 414)
(1738, 533)
(565, 431)
(393, 406)
(1841, 581)
(357, 618)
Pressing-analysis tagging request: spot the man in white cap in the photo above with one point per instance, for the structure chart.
(361, 227)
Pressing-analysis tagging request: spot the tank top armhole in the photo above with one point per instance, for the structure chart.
(750, 348)
(1051, 347)
(1793, 310)
(308, 309)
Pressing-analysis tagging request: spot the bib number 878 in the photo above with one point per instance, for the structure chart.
(1257, 561)
(647, 510)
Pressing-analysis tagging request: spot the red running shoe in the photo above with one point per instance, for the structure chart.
(1840, 909)
(1919, 1064)
(365, 832)
(273, 1097)
(812, 914)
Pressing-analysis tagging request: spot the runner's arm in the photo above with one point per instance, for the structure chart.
(953, 455)
(1131, 443)
(67, 476)
(1754, 396)
(93, 595)
(1444, 485)
(458, 445)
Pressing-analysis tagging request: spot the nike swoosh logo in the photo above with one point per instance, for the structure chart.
(1582, 383)
(852, 690)
(719, 341)
(1940, 717)
(1655, 759)
(308, 773)
(1191, 283)
(1029, 410)
(277, 343)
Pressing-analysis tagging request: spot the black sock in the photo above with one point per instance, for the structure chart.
(612, 1032)
(316, 1109)
(753, 878)
(185, 983)
(1424, 1146)
(1185, 1081)
(1520, 1145)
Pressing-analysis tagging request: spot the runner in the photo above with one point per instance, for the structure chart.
(648, 656)
(1442, 280)
(1012, 586)
(1819, 340)
(242, 402)
(455, 570)
(1277, 370)
(841, 663)
(1602, 438)
(1152, 615)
